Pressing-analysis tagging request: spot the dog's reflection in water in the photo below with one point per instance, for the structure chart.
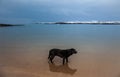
(61, 68)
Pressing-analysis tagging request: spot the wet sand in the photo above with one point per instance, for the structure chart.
(33, 62)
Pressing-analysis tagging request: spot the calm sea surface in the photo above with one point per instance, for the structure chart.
(53, 35)
(25, 49)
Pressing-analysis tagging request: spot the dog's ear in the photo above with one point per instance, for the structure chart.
(73, 50)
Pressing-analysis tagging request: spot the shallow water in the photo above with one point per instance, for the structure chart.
(24, 50)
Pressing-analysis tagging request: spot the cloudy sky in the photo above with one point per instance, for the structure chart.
(28, 11)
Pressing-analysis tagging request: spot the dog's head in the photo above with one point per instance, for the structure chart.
(73, 51)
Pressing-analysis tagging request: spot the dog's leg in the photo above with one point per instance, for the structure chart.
(67, 60)
(63, 61)
(51, 58)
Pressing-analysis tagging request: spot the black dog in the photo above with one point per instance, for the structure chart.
(61, 53)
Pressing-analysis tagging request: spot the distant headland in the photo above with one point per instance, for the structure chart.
(84, 22)
(67, 22)
(8, 25)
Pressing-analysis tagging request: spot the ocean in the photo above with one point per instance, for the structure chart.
(24, 50)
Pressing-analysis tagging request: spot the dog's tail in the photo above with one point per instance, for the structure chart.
(49, 56)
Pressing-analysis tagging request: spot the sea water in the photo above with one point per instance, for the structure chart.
(24, 50)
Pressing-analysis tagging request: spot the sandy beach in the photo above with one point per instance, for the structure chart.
(26, 63)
